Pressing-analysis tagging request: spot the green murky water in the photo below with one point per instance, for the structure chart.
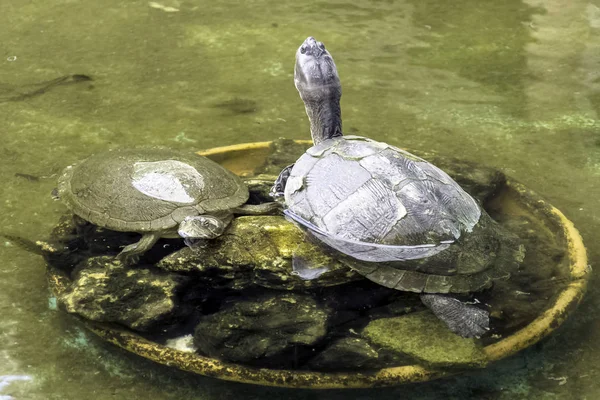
(509, 84)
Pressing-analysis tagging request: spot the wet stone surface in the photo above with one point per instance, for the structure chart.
(425, 338)
(261, 250)
(264, 327)
(138, 298)
(354, 353)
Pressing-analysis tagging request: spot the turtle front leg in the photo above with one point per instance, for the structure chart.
(463, 319)
(278, 188)
(132, 252)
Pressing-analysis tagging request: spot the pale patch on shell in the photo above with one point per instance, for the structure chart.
(168, 180)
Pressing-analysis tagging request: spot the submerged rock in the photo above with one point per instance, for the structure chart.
(425, 338)
(264, 250)
(479, 181)
(61, 248)
(517, 301)
(261, 327)
(141, 299)
(74, 240)
(345, 353)
(354, 353)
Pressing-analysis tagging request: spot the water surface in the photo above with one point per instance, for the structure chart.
(510, 84)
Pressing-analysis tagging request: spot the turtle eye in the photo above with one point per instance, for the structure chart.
(302, 50)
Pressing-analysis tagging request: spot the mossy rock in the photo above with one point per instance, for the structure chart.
(103, 290)
(262, 327)
(264, 250)
(425, 338)
(355, 354)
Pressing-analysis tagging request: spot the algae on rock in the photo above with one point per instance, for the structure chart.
(425, 338)
(264, 250)
(355, 353)
(105, 291)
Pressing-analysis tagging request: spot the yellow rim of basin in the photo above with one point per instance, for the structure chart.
(548, 321)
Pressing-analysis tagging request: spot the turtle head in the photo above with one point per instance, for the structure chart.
(315, 73)
(318, 83)
(201, 227)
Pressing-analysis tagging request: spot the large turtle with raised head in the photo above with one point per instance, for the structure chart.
(155, 192)
(394, 217)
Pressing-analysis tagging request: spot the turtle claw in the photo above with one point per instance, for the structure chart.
(463, 319)
(130, 255)
(127, 258)
(278, 188)
(276, 191)
(276, 194)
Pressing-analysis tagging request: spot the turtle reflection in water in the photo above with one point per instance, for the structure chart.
(156, 192)
(395, 218)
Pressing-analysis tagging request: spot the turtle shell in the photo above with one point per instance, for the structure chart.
(395, 218)
(146, 190)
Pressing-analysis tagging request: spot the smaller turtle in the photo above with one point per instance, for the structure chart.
(156, 192)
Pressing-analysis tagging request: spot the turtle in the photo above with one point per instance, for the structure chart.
(394, 217)
(157, 192)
